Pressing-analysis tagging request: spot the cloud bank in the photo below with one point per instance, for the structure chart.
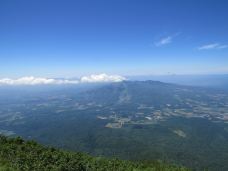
(50, 81)
(102, 78)
(212, 46)
(35, 81)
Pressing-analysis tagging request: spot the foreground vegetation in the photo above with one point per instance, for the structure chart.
(17, 154)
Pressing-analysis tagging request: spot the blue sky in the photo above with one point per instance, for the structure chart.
(52, 38)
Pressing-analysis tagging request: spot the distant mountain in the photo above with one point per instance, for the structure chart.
(219, 81)
(137, 92)
(153, 93)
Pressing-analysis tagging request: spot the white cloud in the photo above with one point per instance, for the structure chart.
(223, 46)
(212, 46)
(102, 78)
(48, 81)
(164, 41)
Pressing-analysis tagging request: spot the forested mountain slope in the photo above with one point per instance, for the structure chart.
(17, 154)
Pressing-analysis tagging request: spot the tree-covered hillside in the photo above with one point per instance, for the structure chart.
(17, 154)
